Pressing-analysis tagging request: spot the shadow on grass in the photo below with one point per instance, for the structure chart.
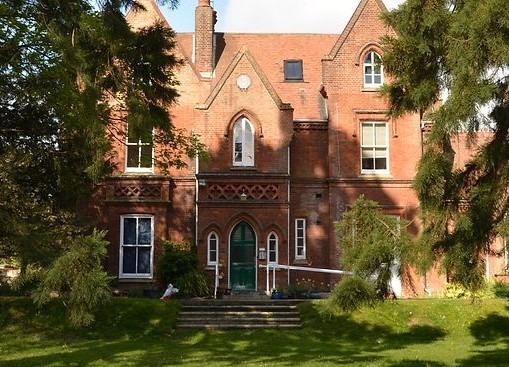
(418, 363)
(492, 338)
(336, 340)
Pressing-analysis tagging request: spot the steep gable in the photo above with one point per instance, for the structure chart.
(244, 53)
(139, 18)
(366, 10)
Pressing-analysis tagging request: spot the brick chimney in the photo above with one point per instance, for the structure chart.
(204, 21)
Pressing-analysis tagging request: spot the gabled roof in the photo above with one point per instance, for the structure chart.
(351, 24)
(146, 18)
(244, 53)
(269, 51)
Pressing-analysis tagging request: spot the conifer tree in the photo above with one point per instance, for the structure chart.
(458, 49)
(70, 73)
(373, 244)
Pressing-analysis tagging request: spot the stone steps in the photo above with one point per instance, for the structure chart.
(239, 314)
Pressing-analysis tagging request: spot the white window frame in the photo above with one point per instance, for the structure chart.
(375, 147)
(136, 275)
(272, 247)
(300, 238)
(243, 138)
(210, 238)
(371, 68)
(140, 144)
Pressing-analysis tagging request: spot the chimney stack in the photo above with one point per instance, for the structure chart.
(205, 19)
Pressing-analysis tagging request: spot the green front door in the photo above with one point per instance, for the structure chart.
(242, 258)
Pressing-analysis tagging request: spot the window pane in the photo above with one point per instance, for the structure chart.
(146, 156)
(380, 153)
(367, 134)
(145, 231)
(129, 260)
(212, 248)
(293, 70)
(380, 163)
(144, 260)
(213, 256)
(378, 79)
(248, 144)
(367, 163)
(368, 153)
(238, 152)
(129, 231)
(380, 135)
(132, 156)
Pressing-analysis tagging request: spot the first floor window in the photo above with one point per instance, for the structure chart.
(136, 246)
(300, 238)
(272, 244)
(374, 147)
(139, 146)
(212, 249)
(373, 71)
(243, 143)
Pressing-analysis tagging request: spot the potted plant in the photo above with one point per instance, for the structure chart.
(276, 294)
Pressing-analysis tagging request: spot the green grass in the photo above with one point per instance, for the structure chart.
(141, 332)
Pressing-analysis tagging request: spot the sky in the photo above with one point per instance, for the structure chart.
(271, 16)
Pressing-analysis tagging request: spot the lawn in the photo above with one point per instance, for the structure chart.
(140, 332)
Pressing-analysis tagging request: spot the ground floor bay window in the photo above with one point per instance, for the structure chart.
(136, 246)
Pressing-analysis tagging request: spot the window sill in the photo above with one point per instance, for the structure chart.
(243, 168)
(128, 279)
(371, 89)
(141, 172)
(375, 176)
(301, 262)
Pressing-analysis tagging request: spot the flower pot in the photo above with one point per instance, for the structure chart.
(277, 295)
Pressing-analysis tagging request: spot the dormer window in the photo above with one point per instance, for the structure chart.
(293, 70)
(373, 70)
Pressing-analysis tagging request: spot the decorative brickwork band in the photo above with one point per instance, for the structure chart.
(267, 192)
(138, 192)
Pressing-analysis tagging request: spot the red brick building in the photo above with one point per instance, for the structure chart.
(296, 131)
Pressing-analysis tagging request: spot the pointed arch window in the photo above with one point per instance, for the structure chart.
(243, 143)
(373, 70)
(272, 244)
(212, 248)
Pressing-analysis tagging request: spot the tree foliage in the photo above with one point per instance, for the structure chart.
(78, 279)
(460, 49)
(372, 243)
(72, 75)
(71, 72)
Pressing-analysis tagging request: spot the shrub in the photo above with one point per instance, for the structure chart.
(353, 292)
(28, 280)
(193, 283)
(78, 280)
(178, 265)
(501, 289)
(178, 258)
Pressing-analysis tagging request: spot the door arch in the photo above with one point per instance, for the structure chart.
(243, 257)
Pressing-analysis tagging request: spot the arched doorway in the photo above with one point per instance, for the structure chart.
(243, 257)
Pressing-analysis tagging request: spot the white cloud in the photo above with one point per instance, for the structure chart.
(300, 16)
